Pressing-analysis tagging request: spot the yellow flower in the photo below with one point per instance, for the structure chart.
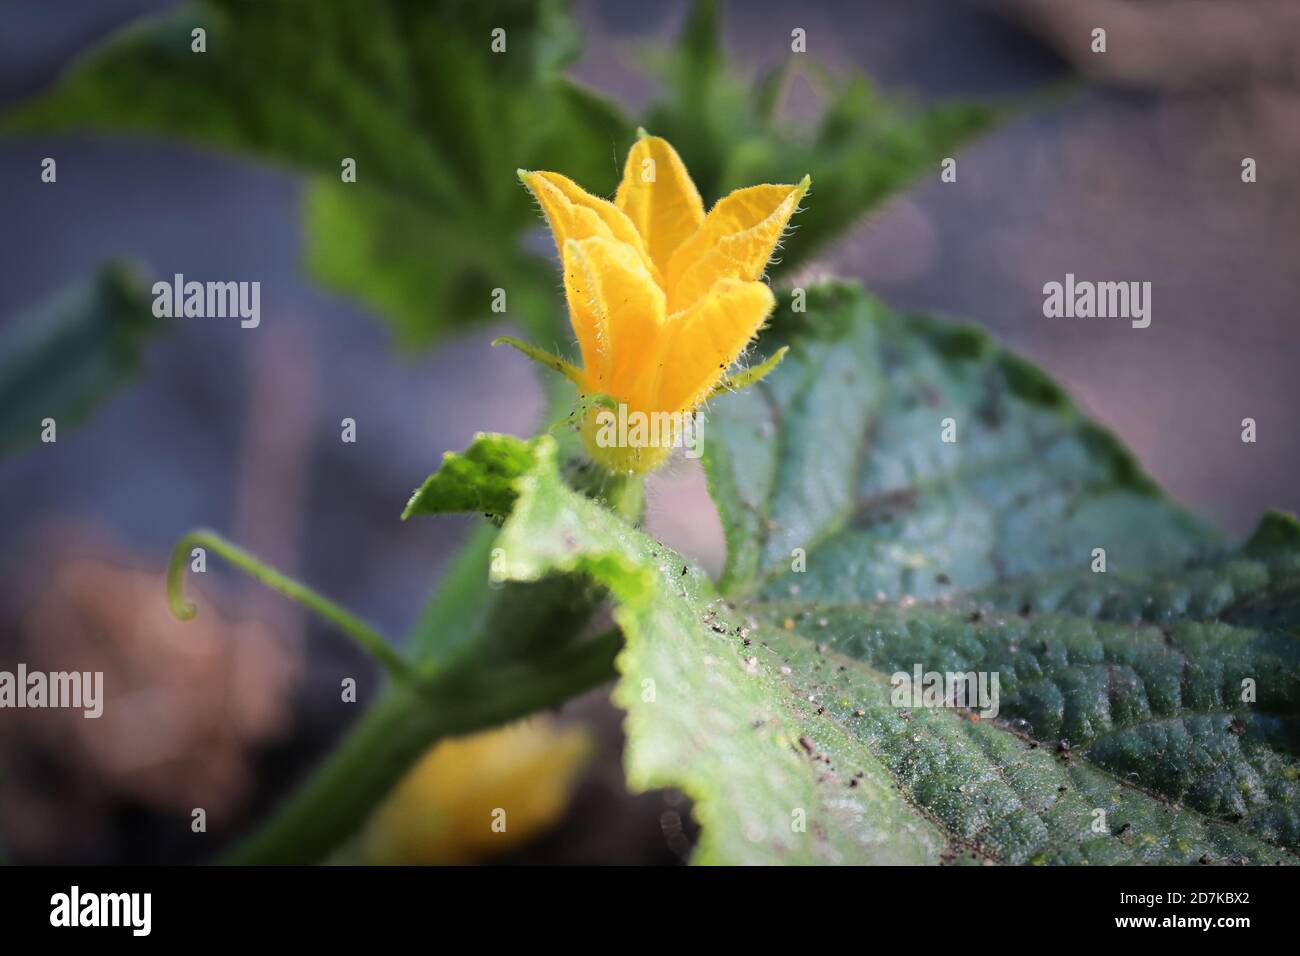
(662, 298)
(471, 797)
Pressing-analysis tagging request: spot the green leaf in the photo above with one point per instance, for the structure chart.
(436, 122)
(841, 452)
(481, 479)
(60, 358)
(1122, 736)
(696, 718)
(863, 148)
(477, 612)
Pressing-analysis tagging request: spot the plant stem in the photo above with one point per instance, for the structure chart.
(362, 633)
(339, 794)
(401, 725)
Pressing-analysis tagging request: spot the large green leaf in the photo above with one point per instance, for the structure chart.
(1122, 734)
(436, 121)
(842, 455)
(61, 357)
(862, 149)
(698, 716)
(1123, 687)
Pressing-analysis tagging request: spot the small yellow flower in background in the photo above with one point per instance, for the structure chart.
(662, 297)
(472, 797)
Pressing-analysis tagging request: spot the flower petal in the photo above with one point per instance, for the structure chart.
(574, 213)
(736, 241)
(704, 340)
(659, 197)
(617, 311)
(433, 816)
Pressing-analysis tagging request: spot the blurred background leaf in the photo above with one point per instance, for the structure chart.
(63, 355)
(412, 91)
(862, 149)
(437, 123)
